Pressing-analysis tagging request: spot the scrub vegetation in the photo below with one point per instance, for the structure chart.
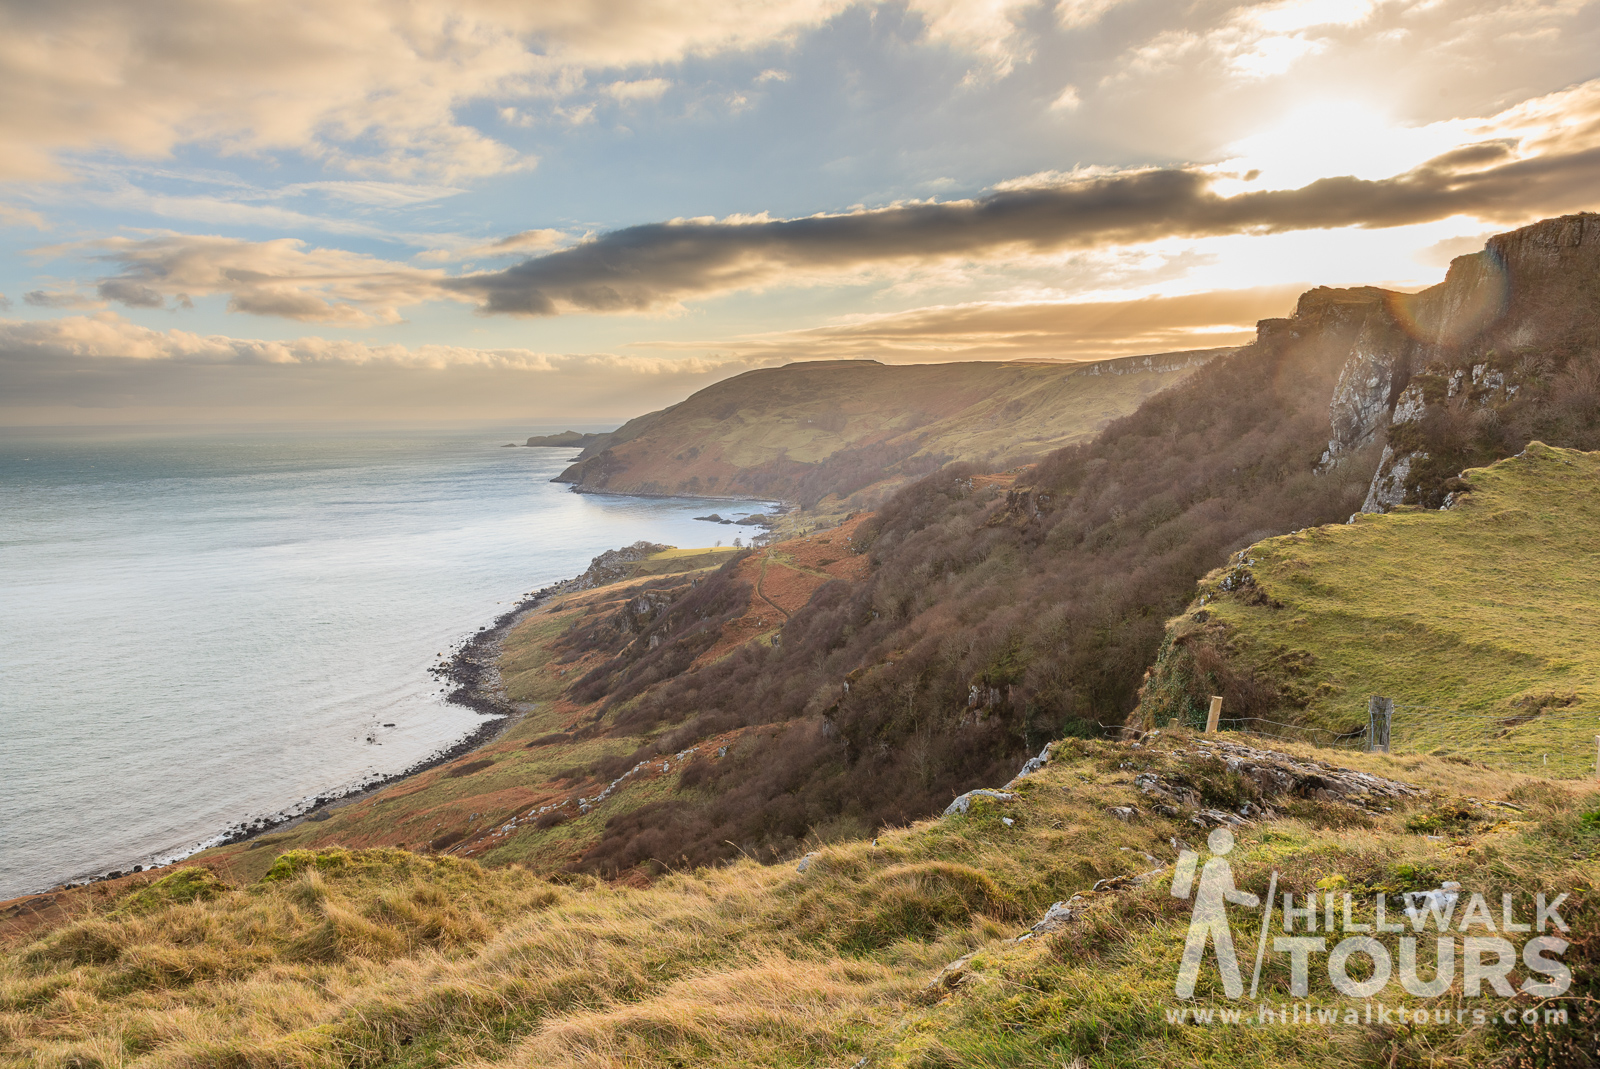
(366, 957)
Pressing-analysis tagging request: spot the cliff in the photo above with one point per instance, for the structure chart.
(860, 676)
(860, 428)
(1499, 353)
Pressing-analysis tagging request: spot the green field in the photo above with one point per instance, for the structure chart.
(1478, 621)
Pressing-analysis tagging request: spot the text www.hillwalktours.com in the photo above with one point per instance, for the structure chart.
(1370, 956)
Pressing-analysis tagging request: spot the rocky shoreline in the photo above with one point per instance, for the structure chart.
(476, 685)
(474, 680)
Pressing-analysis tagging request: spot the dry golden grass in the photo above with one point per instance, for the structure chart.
(382, 957)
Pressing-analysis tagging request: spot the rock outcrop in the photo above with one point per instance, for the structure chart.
(1418, 366)
(613, 565)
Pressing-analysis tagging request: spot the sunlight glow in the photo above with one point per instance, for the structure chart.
(1326, 138)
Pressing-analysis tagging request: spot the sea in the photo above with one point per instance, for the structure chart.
(204, 629)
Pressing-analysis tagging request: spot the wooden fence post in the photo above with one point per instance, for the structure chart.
(1215, 714)
(1380, 721)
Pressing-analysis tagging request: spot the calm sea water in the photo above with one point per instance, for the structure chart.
(197, 631)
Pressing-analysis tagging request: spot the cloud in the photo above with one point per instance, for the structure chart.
(12, 215)
(273, 278)
(1540, 158)
(656, 265)
(106, 369)
(1080, 14)
(1066, 100)
(643, 89)
(988, 29)
(57, 297)
(995, 330)
(1255, 41)
(523, 242)
(371, 86)
(110, 336)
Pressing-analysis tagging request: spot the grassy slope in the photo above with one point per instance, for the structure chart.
(385, 957)
(464, 806)
(1487, 608)
(806, 413)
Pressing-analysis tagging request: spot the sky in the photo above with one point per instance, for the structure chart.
(576, 211)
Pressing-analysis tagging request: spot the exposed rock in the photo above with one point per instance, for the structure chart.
(1034, 763)
(1275, 775)
(1132, 879)
(1057, 917)
(1279, 775)
(964, 803)
(1409, 407)
(952, 974)
(1215, 818)
(614, 564)
(1530, 289)
(1125, 813)
(1361, 401)
(1440, 900)
(1388, 487)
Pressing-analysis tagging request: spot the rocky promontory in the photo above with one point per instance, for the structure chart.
(566, 439)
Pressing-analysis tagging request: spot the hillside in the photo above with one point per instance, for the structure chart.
(1483, 613)
(543, 793)
(689, 715)
(936, 945)
(861, 676)
(858, 428)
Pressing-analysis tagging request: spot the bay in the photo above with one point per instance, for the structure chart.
(205, 629)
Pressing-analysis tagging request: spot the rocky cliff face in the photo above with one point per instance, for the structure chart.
(1501, 351)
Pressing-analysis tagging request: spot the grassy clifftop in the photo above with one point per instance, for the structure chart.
(1483, 614)
(385, 957)
(808, 431)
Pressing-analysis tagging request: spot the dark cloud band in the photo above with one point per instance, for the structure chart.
(641, 267)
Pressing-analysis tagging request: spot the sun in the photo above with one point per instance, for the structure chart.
(1332, 137)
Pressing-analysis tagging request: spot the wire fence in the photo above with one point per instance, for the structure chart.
(1558, 743)
(1276, 729)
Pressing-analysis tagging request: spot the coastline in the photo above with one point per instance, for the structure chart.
(472, 673)
(471, 668)
(778, 504)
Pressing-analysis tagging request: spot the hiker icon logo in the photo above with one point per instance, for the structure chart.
(1359, 946)
(1208, 924)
